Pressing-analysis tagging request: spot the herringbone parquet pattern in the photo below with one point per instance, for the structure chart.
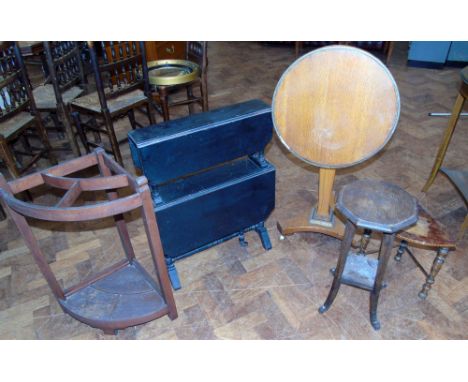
(232, 292)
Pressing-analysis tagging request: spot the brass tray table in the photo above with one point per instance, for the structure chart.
(172, 72)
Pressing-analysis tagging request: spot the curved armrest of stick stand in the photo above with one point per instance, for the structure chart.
(123, 294)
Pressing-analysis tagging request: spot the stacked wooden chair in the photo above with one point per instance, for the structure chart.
(121, 88)
(20, 120)
(66, 81)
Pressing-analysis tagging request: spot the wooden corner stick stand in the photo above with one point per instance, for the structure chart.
(123, 294)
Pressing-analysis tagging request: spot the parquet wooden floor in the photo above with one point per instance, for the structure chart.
(234, 292)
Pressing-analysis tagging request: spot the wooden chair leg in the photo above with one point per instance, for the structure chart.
(298, 47)
(390, 46)
(190, 97)
(45, 140)
(149, 111)
(58, 126)
(7, 155)
(164, 99)
(457, 108)
(25, 143)
(113, 139)
(80, 130)
(65, 117)
(204, 94)
(131, 118)
(67, 121)
(436, 266)
(97, 134)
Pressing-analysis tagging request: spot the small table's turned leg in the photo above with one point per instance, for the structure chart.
(387, 244)
(436, 266)
(365, 238)
(345, 247)
(401, 250)
(173, 275)
(264, 237)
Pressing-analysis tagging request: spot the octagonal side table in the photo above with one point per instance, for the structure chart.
(374, 206)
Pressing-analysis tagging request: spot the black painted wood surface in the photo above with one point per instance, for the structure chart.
(171, 149)
(208, 176)
(209, 206)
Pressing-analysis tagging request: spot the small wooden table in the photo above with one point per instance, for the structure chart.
(373, 206)
(164, 75)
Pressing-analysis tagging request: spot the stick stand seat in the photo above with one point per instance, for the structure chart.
(128, 296)
(123, 294)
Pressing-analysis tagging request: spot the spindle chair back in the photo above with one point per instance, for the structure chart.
(122, 87)
(65, 82)
(18, 114)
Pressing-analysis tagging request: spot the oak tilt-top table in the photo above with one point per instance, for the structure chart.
(333, 108)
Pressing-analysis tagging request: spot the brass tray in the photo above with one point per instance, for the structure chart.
(172, 72)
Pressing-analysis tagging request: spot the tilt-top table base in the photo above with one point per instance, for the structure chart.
(301, 223)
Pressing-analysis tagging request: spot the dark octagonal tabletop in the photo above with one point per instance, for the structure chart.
(377, 205)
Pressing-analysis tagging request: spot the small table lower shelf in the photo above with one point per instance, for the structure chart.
(360, 271)
(126, 297)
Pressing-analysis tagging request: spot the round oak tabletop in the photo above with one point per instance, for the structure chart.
(336, 106)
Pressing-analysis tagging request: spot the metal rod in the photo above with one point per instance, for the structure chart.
(445, 114)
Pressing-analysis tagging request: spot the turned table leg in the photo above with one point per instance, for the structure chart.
(401, 250)
(436, 266)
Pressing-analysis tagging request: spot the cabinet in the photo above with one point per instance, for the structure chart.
(163, 50)
(436, 54)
